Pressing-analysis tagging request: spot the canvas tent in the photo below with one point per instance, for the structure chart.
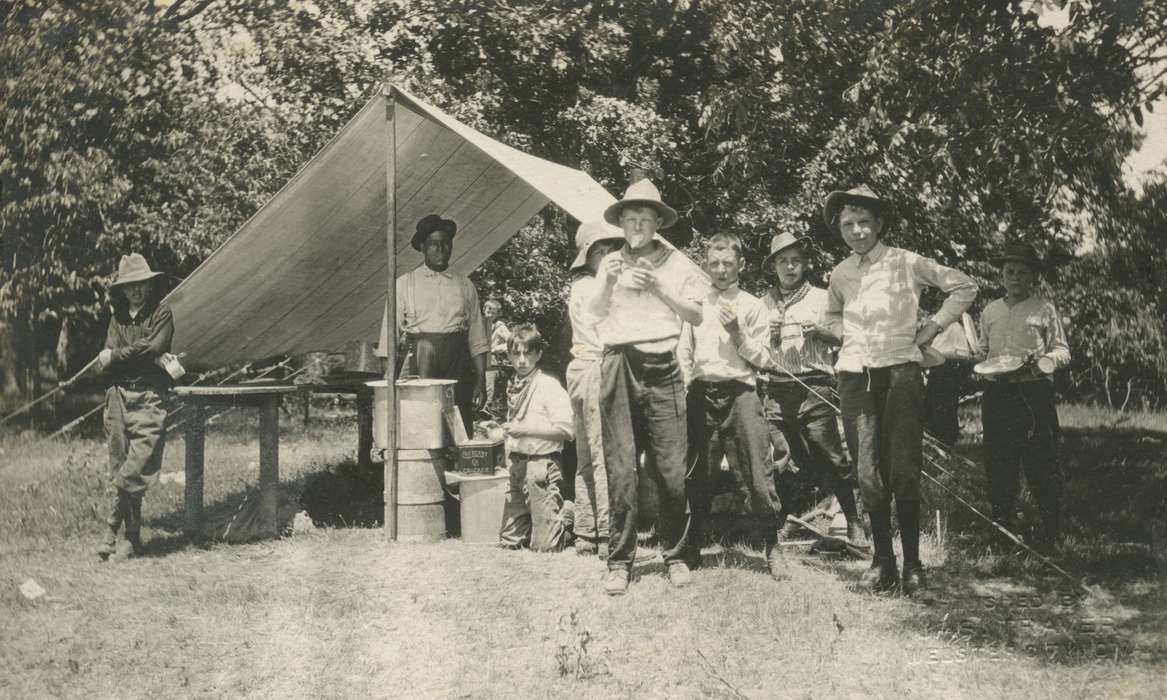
(309, 271)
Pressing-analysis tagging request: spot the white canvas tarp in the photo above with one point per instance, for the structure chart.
(308, 271)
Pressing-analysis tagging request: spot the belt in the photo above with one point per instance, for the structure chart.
(545, 455)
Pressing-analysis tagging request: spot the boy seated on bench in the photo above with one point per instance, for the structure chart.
(539, 420)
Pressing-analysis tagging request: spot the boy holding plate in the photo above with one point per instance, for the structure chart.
(1017, 410)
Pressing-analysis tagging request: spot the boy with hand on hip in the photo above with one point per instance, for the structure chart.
(539, 420)
(872, 303)
(719, 358)
(1017, 409)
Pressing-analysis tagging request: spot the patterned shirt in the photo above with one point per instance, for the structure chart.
(585, 340)
(798, 353)
(1032, 325)
(873, 300)
(707, 351)
(429, 301)
(641, 318)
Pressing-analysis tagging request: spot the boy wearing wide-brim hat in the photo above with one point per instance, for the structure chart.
(644, 292)
(1018, 412)
(439, 317)
(594, 240)
(873, 300)
(139, 335)
(801, 375)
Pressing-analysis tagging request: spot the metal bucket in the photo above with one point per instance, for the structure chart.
(421, 496)
(482, 500)
(421, 404)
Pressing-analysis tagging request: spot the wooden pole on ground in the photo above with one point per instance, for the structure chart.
(391, 306)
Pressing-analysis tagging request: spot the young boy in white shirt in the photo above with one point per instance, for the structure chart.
(1017, 409)
(539, 420)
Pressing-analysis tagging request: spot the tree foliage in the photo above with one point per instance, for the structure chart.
(162, 126)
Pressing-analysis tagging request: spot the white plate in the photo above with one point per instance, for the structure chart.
(1002, 364)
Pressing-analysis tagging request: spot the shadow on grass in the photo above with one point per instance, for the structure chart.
(989, 595)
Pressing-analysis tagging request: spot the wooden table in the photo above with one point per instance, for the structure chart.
(196, 401)
(356, 384)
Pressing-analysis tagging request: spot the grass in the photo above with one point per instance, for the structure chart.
(339, 612)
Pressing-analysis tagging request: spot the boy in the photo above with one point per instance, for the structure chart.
(644, 292)
(1017, 410)
(801, 376)
(539, 420)
(594, 240)
(139, 335)
(497, 373)
(719, 358)
(872, 302)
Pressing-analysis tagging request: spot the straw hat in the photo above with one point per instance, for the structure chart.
(778, 244)
(590, 233)
(861, 195)
(427, 225)
(133, 268)
(1022, 253)
(642, 193)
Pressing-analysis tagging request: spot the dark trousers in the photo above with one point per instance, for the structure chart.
(447, 356)
(809, 426)
(642, 401)
(1021, 429)
(883, 419)
(726, 419)
(942, 401)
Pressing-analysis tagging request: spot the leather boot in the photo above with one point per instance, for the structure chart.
(130, 545)
(113, 522)
(913, 578)
(776, 564)
(882, 575)
(908, 513)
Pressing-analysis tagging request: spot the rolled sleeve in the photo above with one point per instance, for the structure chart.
(960, 289)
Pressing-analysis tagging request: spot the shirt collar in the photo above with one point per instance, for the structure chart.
(427, 272)
(874, 254)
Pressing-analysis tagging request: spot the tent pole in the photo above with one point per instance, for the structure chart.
(391, 305)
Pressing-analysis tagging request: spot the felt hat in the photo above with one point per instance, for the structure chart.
(1022, 253)
(133, 268)
(778, 244)
(588, 234)
(642, 193)
(861, 195)
(430, 223)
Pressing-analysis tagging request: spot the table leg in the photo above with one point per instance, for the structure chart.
(364, 428)
(269, 463)
(195, 438)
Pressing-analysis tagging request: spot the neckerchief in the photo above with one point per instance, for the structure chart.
(519, 393)
(790, 299)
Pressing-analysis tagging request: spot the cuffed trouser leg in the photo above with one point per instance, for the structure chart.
(591, 478)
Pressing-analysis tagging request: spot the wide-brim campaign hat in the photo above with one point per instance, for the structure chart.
(133, 268)
(427, 225)
(642, 193)
(1022, 253)
(863, 196)
(589, 234)
(778, 244)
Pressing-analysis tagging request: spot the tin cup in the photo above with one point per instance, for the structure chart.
(171, 365)
(1045, 364)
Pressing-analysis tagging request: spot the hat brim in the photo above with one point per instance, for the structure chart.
(1035, 264)
(581, 257)
(841, 198)
(135, 277)
(768, 263)
(419, 238)
(667, 214)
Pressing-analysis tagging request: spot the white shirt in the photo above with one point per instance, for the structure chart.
(708, 352)
(547, 406)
